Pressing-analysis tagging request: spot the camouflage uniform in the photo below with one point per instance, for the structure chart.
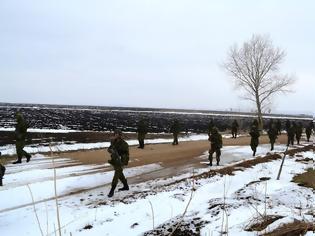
(234, 129)
(119, 150)
(20, 135)
(272, 134)
(287, 125)
(216, 145)
(279, 127)
(254, 133)
(298, 132)
(142, 131)
(290, 133)
(210, 127)
(308, 130)
(175, 129)
(2, 171)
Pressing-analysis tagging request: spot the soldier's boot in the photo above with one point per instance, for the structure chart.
(28, 157)
(218, 160)
(210, 160)
(254, 152)
(1, 182)
(272, 147)
(125, 187)
(111, 192)
(18, 161)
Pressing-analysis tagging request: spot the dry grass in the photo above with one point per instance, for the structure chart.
(262, 223)
(307, 179)
(293, 229)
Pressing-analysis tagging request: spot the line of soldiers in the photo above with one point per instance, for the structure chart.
(119, 148)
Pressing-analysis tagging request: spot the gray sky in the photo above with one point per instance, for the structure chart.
(147, 53)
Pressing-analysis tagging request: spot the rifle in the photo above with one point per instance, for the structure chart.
(115, 157)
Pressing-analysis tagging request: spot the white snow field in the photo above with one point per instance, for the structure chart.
(85, 209)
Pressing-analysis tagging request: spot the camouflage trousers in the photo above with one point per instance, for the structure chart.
(217, 152)
(19, 145)
(118, 175)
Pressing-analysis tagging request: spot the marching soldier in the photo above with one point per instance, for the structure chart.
(20, 135)
(279, 127)
(175, 129)
(234, 129)
(254, 133)
(287, 125)
(216, 145)
(298, 132)
(210, 127)
(2, 171)
(142, 131)
(308, 130)
(290, 134)
(119, 150)
(272, 134)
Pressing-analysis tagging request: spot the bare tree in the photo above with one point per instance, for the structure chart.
(254, 67)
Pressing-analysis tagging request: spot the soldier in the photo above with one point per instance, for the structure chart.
(298, 132)
(175, 129)
(210, 127)
(142, 131)
(270, 124)
(272, 134)
(254, 133)
(216, 145)
(291, 133)
(308, 130)
(119, 150)
(234, 129)
(287, 125)
(279, 127)
(20, 135)
(2, 171)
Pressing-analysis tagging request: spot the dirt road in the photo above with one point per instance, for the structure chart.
(166, 154)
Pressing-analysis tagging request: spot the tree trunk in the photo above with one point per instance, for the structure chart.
(259, 113)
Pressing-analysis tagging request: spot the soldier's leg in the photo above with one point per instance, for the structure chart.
(19, 152)
(139, 140)
(210, 158)
(123, 179)
(1, 175)
(27, 155)
(114, 182)
(176, 139)
(218, 155)
(253, 147)
(292, 140)
(2, 170)
(142, 143)
(272, 144)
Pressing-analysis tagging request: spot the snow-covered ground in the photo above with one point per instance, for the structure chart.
(83, 201)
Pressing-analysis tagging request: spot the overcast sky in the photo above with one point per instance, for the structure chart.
(148, 53)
